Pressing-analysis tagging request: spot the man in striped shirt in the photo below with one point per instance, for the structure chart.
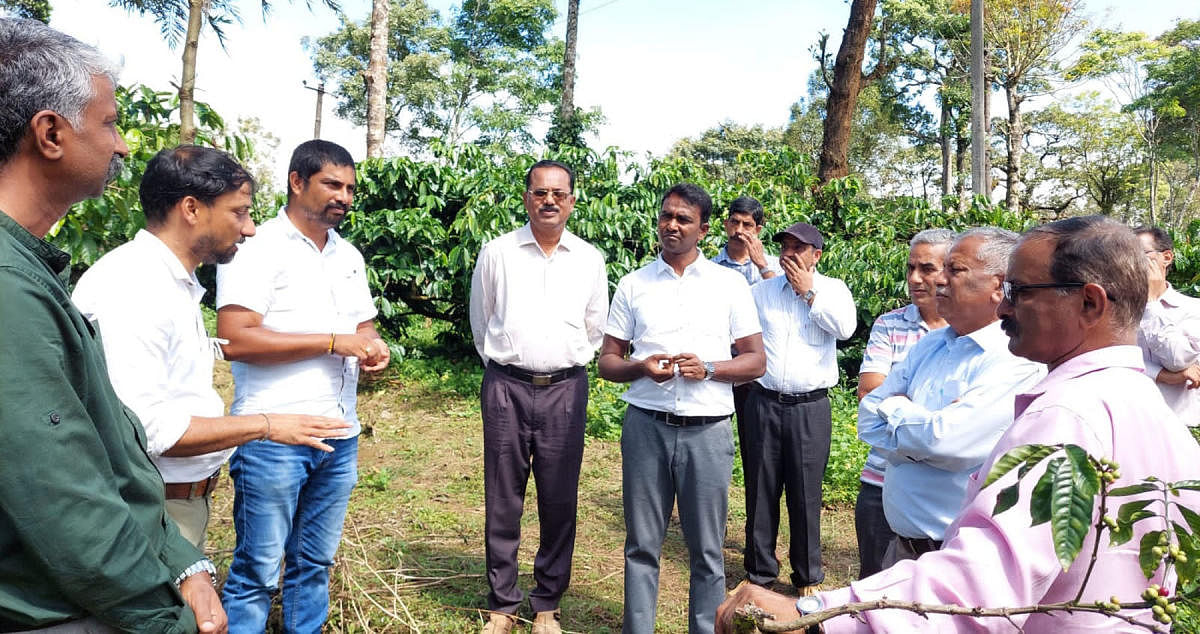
(891, 336)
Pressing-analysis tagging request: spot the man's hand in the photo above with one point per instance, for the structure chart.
(302, 429)
(799, 276)
(368, 350)
(198, 593)
(658, 367)
(385, 357)
(690, 366)
(781, 607)
(1188, 377)
(754, 247)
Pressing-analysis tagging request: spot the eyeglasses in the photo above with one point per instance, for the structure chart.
(558, 194)
(1013, 291)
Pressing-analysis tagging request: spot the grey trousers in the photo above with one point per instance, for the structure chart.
(191, 516)
(659, 465)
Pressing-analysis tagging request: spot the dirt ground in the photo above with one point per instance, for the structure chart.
(412, 556)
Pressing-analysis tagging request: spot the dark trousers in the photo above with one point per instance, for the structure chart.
(874, 534)
(740, 394)
(540, 427)
(786, 449)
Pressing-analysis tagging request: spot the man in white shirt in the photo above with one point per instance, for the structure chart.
(789, 422)
(938, 414)
(296, 310)
(680, 313)
(1169, 333)
(892, 335)
(539, 297)
(144, 296)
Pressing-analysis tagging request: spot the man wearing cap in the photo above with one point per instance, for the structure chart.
(788, 417)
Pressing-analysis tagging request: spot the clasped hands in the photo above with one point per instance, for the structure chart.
(660, 367)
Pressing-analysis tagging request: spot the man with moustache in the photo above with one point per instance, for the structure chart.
(1169, 334)
(789, 420)
(144, 297)
(680, 313)
(892, 336)
(87, 546)
(539, 297)
(298, 316)
(1073, 296)
(743, 251)
(938, 414)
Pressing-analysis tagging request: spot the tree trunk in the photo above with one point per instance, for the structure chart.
(843, 94)
(377, 79)
(566, 109)
(1012, 166)
(960, 165)
(944, 142)
(987, 134)
(187, 81)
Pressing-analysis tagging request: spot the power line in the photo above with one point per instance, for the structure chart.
(597, 7)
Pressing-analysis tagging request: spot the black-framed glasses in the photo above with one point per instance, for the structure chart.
(558, 194)
(1013, 291)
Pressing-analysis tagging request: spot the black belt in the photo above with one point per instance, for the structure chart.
(794, 397)
(537, 378)
(920, 545)
(675, 420)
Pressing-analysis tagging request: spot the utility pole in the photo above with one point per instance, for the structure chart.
(320, 90)
(979, 95)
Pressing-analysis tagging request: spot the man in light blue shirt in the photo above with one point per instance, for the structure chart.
(744, 251)
(940, 411)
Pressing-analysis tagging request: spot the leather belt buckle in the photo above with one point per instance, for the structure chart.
(666, 419)
(541, 379)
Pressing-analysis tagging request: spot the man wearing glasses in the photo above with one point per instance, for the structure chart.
(539, 299)
(1169, 333)
(939, 412)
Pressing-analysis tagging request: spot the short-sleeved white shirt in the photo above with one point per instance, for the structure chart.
(702, 312)
(297, 288)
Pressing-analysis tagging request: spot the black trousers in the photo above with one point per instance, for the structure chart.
(526, 427)
(786, 450)
(872, 528)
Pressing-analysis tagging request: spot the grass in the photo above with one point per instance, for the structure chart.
(412, 558)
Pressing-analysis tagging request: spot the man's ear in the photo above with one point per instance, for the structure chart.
(47, 129)
(295, 183)
(189, 209)
(1096, 305)
(1168, 257)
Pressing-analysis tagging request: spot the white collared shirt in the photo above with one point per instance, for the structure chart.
(1169, 336)
(300, 289)
(801, 340)
(538, 312)
(146, 306)
(702, 312)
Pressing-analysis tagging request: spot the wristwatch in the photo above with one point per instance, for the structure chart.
(204, 565)
(809, 295)
(808, 605)
(709, 370)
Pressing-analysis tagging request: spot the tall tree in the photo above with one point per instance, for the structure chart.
(1121, 60)
(185, 19)
(566, 127)
(376, 79)
(481, 76)
(1026, 38)
(847, 81)
(1174, 93)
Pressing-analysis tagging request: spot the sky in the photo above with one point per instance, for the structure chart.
(660, 70)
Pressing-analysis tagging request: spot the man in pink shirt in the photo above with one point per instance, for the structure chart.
(1074, 294)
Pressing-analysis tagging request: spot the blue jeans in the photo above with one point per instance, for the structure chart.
(288, 506)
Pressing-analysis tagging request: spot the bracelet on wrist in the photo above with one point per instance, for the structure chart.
(267, 434)
(204, 565)
(332, 338)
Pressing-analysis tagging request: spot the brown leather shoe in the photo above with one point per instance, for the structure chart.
(547, 622)
(499, 623)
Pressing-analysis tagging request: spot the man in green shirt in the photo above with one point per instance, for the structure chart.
(85, 544)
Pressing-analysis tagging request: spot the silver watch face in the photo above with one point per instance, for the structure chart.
(808, 605)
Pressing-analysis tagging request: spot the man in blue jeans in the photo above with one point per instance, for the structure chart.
(295, 308)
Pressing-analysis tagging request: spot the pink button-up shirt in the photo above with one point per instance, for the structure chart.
(1100, 401)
